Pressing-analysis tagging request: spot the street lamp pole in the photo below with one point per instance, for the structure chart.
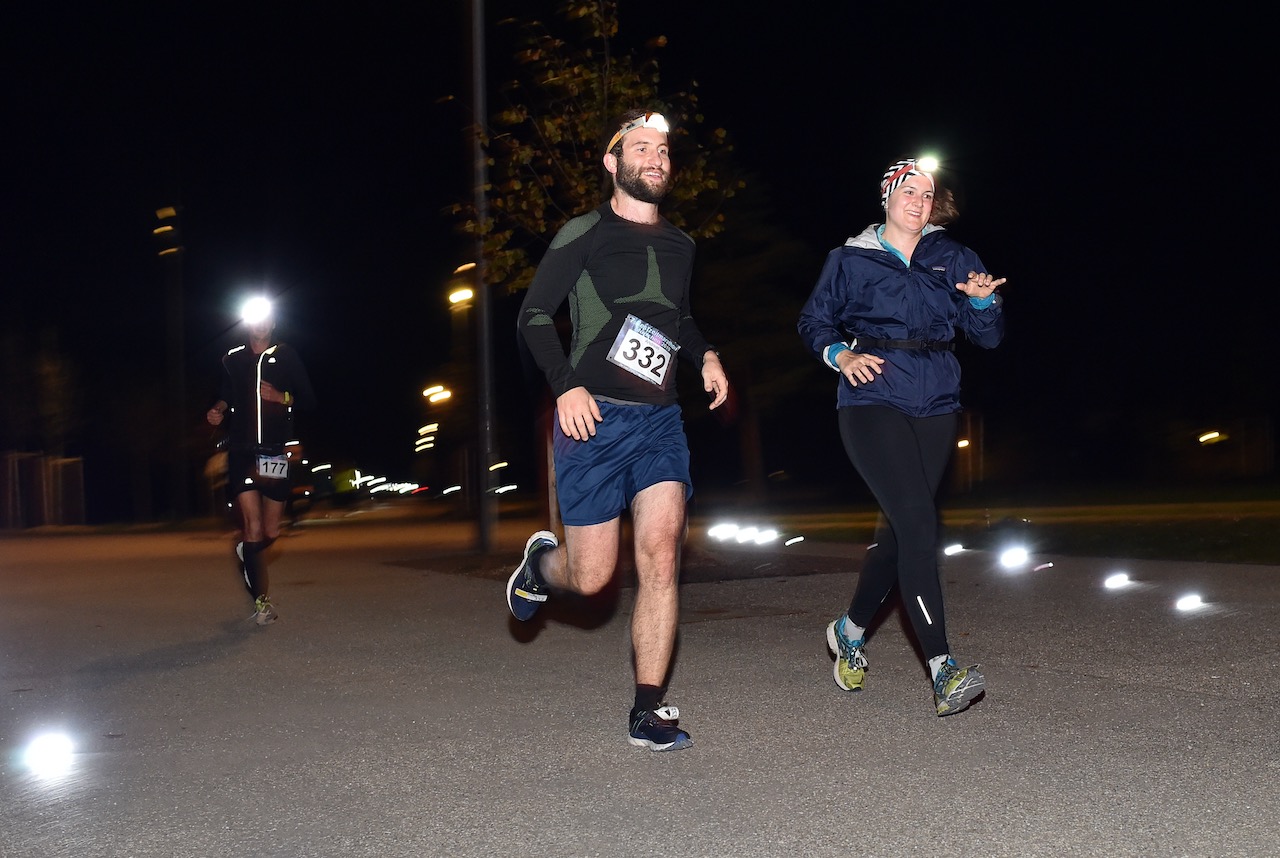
(170, 253)
(487, 500)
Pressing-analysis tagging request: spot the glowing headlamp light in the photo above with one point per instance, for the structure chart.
(656, 121)
(903, 170)
(255, 310)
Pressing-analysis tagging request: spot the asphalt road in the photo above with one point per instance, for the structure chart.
(397, 710)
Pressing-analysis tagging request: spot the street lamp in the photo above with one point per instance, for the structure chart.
(437, 393)
(168, 235)
(460, 294)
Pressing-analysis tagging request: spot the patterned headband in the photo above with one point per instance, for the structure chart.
(896, 175)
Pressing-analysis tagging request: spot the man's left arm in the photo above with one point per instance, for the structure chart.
(714, 380)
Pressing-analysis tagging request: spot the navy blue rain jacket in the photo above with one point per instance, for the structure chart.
(866, 291)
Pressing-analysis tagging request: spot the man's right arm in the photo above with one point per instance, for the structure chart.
(559, 270)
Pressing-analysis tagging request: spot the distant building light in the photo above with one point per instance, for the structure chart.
(497, 466)
(1212, 437)
(161, 230)
(166, 213)
(398, 488)
(466, 266)
(168, 250)
(962, 443)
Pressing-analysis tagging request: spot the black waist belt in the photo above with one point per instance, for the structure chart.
(927, 345)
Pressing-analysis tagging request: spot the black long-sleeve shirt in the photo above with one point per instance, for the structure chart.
(608, 268)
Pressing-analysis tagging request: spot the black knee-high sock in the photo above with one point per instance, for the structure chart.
(255, 567)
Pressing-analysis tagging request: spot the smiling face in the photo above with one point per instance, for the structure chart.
(910, 205)
(644, 170)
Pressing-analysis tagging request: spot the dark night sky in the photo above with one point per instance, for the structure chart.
(1098, 158)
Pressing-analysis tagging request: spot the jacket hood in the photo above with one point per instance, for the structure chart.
(869, 238)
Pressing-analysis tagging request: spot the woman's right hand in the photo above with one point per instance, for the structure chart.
(859, 368)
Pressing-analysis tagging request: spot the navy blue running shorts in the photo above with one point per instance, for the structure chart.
(635, 446)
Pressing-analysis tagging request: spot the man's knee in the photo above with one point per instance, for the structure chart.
(590, 578)
(658, 562)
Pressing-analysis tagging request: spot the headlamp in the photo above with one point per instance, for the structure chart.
(255, 310)
(900, 171)
(653, 120)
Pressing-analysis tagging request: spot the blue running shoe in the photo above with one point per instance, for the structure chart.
(957, 687)
(656, 729)
(526, 591)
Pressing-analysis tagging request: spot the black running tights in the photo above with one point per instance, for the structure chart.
(902, 459)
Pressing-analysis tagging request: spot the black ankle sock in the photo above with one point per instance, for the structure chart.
(648, 697)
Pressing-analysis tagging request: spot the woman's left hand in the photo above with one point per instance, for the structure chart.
(980, 284)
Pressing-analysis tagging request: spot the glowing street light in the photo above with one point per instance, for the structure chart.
(437, 393)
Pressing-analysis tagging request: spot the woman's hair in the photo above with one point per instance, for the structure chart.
(944, 204)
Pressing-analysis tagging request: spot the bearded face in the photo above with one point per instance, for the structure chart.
(650, 188)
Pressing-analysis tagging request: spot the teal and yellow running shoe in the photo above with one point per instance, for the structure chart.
(850, 669)
(957, 687)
